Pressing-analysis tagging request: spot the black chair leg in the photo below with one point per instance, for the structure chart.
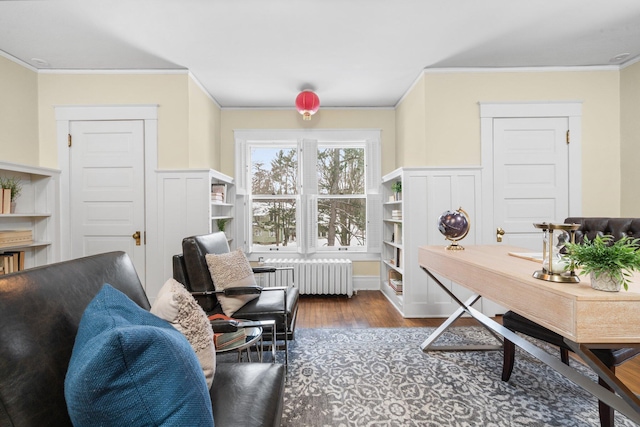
(606, 412)
(509, 354)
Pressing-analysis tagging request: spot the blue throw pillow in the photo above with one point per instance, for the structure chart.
(131, 368)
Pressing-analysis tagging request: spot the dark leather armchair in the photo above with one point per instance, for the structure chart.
(589, 227)
(274, 303)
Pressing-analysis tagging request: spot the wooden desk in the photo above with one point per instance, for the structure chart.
(585, 317)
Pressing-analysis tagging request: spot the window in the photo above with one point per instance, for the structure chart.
(304, 195)
(274, 196)
(342, 208)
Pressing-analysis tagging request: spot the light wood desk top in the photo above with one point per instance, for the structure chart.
(574, 310)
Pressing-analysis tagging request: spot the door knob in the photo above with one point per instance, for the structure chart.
(499, 234)
(136, 236)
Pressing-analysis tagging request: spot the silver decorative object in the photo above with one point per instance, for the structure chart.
(555, 268)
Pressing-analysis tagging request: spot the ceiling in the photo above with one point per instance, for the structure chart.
(353, 53)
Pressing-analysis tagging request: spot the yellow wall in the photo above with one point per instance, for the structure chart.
(18, 113)
(630, 144)
(188, 119)
(169, 91)
(204, 129)
(373, 118)
(439, 116)
(452, 122)
(410, 127)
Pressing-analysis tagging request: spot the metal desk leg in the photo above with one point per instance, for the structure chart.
(464, 308)
(605, 374)
(631, 410)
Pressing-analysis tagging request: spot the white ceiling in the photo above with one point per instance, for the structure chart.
(353, 53)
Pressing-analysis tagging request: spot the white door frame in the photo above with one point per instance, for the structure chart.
(572, 110)
(148, 114)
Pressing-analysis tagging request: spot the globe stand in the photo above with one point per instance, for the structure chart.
(454, 246)
(454, 226)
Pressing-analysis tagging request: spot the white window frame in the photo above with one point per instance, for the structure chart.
(285, 145)
(308, 141)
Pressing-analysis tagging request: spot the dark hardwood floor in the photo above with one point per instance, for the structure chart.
(371, 309)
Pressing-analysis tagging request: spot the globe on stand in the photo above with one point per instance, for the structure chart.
(454, 226)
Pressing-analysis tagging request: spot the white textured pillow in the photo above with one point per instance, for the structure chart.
(177, 306)
(231, 270)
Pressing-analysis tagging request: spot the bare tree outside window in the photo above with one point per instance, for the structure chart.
(274, 174)
(342, 198)
(340, 213)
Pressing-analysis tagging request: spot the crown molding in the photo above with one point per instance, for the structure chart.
(630, 62)
(521, 69)
(406, 92)
(113, 71)
(18, 61)
(476, 70)
(202, 88)
(294, 108)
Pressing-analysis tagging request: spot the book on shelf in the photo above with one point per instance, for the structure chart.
(7, 263)
(15, 237)
(218, 193)
(6, 200)
(18, 259)
(396, 214)
(396, 288)
(395, 281)
(397, 233)
(12, 261)
(398, 257)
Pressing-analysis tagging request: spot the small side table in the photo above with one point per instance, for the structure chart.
(253, 338)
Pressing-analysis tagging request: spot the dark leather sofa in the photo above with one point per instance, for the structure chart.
(40, 310)
(589, 228)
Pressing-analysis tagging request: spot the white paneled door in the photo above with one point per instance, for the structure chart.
(531, 177)
(107, 189)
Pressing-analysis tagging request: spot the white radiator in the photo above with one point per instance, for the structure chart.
(315, 276)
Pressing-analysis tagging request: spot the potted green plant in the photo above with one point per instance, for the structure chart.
(610, 264)
(15, 185)
(221, 223)
(396, 187)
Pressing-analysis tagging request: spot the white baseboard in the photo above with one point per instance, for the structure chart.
(366, 283)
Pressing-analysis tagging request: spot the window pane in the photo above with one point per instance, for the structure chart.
(274, 170)
(273, 223)
(341, 171)
(341, 222)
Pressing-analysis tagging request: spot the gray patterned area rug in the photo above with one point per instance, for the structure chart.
(380, 377)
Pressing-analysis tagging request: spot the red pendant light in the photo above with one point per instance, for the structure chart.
(307, 104)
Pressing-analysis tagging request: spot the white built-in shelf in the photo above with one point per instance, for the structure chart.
(426, 193)
(392, 266)
(395, 245)
(25, 245)
(36, 210)
(25, 215)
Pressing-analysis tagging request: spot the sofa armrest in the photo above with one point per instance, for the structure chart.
(248, 394)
